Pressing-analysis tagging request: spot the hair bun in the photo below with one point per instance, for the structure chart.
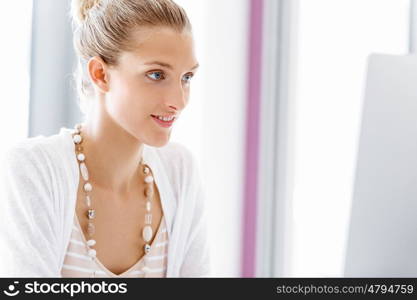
(80, 9)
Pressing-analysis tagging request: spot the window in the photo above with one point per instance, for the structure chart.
(335, 38)
(15, 30)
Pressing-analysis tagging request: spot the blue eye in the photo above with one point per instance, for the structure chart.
(158, 77)
(189, 76)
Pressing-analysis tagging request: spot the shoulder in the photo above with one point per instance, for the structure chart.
(24, 173)
(25, 153)
(179, 155)
(36, 150)
(42, 155)
(180, 164)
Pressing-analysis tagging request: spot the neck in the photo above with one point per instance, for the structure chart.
(112, 155)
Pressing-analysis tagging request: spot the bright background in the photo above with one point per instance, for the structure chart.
(335, 39)
(330, 42)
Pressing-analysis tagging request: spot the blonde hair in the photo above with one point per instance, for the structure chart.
(104, 28)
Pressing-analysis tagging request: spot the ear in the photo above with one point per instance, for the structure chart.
(97, 70)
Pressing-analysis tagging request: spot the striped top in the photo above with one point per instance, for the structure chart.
(77, 263)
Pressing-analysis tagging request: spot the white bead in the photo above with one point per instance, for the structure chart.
(92, 252)
(149, 191)
(88, 201)
(84, 171)
(148, 219)
(91, 242)
(81, 157)
(148, 206)
(148, 179)
(147, 233)
(88, 187)
(147, 258)
(77, 138)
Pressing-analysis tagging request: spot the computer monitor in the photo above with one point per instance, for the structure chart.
(382, 239)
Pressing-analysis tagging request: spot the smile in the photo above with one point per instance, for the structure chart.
(164, 122)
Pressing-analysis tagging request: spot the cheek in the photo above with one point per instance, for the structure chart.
(130, 102)
(123, 89)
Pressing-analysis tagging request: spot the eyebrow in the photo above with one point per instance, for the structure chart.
(166, 65)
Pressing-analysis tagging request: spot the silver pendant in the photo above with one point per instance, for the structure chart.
(91, 213)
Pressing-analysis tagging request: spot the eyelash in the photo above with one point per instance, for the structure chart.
(190, 74)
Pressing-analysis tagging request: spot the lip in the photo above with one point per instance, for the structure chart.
(165, 124)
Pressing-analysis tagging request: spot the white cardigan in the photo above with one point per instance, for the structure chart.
(38, 188)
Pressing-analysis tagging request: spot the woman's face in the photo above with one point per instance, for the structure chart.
(154, 80)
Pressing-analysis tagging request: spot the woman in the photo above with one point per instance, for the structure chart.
(112, 197)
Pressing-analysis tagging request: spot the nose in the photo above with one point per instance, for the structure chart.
(178, 97)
